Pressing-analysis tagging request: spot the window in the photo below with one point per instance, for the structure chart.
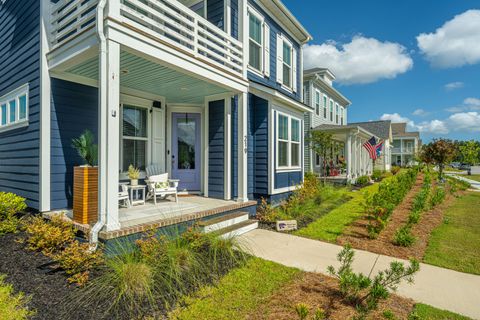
(318, 160)
(288, 142)
(336, 113)
(256, 42)
(342, 113)
(287, 64)
(134, 137)
(14, 108)
(325, 107)
(331, 110)
(317, 102)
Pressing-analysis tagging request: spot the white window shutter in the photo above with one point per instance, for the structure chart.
(294, 70)
(279, 58)
(266, 51)
(158, 137)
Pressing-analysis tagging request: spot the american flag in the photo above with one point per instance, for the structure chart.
(373, 148)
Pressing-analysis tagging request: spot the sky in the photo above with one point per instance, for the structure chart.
(407, 61)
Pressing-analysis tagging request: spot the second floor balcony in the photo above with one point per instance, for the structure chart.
(172, 24)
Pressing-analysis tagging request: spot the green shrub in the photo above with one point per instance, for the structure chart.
(414, 217)
(404, 237)
(10, 205)
(395, 169)
(364, 291)
(438, 195)
(380, 205)
(13, 306)
(362, 181)
(51, 236)
(377, 175)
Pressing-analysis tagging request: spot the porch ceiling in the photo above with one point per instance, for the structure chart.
(144, 75)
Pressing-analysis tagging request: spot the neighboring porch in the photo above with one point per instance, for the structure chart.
(351, 159)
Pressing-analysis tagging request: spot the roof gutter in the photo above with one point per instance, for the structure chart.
(102, 217)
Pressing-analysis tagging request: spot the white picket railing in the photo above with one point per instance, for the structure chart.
(177, 25)
(70, 18)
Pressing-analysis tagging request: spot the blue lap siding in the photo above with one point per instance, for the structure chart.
(19, 65)
(216, 149)
(74, 108)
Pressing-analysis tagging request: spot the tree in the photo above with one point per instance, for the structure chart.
(439, 152)
(470, 152)
(322, 143)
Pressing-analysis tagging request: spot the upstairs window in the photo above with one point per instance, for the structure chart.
(256, 42)
(14, 108)
(342, 113)
(325, 107)
(287, 64)
(317, 102)
(288, 142)
(336, 113)
(331, 110)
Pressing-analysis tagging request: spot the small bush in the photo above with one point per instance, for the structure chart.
(10, 205)
(362, 181)
(438, 195)
(414, 217)
(265, 212)
(13, 306)
(50, 237)
(377, 175)
(78, 260)
(404, 237)
(395, 169)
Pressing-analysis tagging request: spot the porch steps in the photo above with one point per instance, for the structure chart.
(232, 224)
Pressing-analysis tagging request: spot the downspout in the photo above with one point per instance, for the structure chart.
(102, 85)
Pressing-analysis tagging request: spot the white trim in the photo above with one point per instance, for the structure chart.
(261, 19)
(14, 96)
(271, 94)
(289, 141)
(283, 190)
(205, 148)
(242, 147)
(228, 148)
(271, 149)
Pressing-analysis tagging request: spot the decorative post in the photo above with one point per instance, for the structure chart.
(242, 147)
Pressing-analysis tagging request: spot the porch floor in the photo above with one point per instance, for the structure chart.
(168, 209)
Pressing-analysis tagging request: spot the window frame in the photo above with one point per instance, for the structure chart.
(290, 74)
(147, 139)
(257, 15)
(289, 142)
(6, 100)
(317, 103)
(325, 106)
(331, 110)
(337, 111)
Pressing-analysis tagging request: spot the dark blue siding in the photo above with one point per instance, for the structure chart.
(272, 80)
(258, 146)
(216, 149)
(215, 12)
(287, 179)
(20, 64)
(235, 147)
(74, 109)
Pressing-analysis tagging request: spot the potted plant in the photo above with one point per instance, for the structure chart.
(85, 180)
(133, 174)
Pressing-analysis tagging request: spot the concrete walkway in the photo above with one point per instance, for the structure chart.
(438, 287)
(475, 184)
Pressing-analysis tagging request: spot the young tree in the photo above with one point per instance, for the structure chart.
(470, 152)
(438, 152)
(322, 143)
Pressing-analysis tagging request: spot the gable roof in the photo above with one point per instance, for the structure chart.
(380, 128)
(400, 130)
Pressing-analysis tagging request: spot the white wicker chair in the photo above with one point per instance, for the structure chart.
(123, 196)
(160, 185)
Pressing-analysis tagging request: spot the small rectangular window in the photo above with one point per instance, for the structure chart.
(14, 108)
(13, 111)
(22, 114)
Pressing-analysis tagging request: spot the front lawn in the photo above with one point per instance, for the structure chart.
(454, 244)
(332, 224)
(475, 177)
(426, 312)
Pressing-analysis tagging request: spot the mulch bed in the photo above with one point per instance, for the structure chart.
(357, 235)
(319, 291)
(49, 292)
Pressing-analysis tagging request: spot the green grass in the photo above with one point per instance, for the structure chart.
(426, 312)
(332, 224)
(475, 177)
(240, 292)
(12, 306)
(454, 244)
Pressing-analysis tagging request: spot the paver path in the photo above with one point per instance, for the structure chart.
(438, 287)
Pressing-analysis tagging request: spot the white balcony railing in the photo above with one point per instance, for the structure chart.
(70, 18)
(404, 150)
(167, 21)
(177, 25)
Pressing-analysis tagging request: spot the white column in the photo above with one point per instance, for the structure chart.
(242, 147)
(228, 148)
(348, 155)
(112, 122)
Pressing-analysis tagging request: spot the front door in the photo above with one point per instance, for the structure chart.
(186, 153)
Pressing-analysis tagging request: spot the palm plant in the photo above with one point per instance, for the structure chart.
(86, 147)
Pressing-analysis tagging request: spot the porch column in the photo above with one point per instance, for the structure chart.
(348, 155)
(242, 147)
(359, 156)
(110, 142)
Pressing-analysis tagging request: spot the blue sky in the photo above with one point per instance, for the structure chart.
(431, 81)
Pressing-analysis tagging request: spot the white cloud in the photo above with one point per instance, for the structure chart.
(454, 44)
(394, 117)
(473, 102)
(464, 121)
(363, 60)
(420, 113)
(453, 85)
(433, 126)
(469, 104)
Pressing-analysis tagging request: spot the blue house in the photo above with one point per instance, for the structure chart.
(210, 91)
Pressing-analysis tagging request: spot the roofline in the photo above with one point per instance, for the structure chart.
(315, 77)
(347, 128)
(293, 20)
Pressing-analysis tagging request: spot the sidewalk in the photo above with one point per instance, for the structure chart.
(438, 287)
(475, 184)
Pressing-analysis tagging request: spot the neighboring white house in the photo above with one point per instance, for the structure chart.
(405, 145)
(330, 115)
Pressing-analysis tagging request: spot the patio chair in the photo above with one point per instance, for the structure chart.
(160, 185)
(154, 170)
(123, 196)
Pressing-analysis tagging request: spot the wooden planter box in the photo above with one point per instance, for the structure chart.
(85, 194)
